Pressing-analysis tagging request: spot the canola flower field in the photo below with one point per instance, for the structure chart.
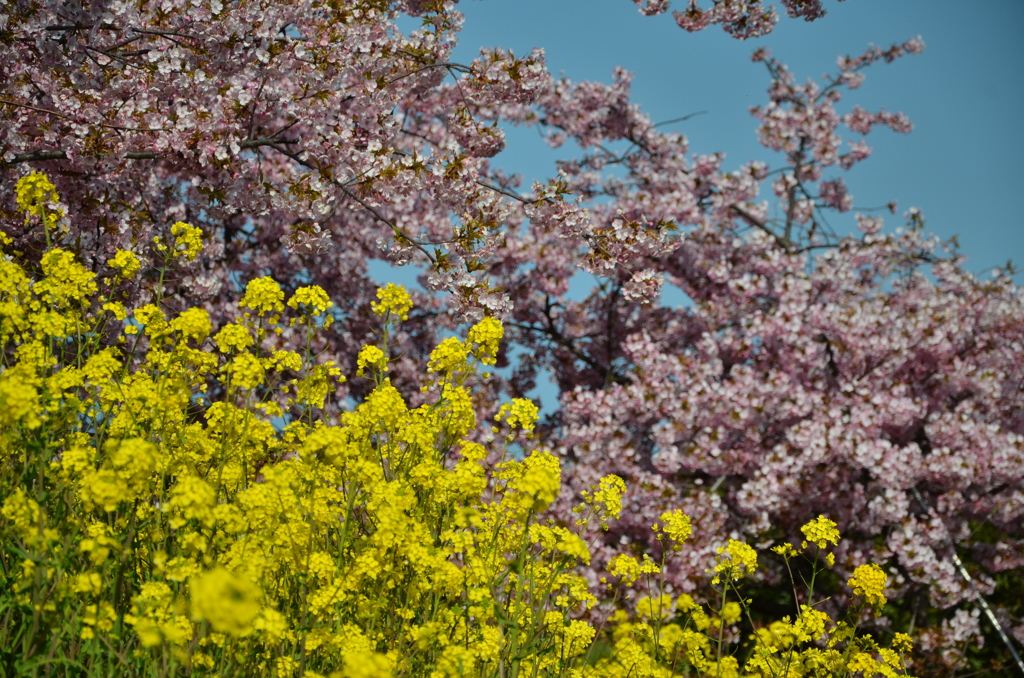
(173, 505)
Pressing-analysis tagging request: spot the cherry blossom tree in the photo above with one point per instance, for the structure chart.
(857, 377)
(866, 377)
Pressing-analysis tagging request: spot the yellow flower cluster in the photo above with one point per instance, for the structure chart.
(178, 504)
(188, 240)
(264, 296)
(127, 264)
(736, 560)
(520, 412)
(629, 569)
(312, 297)
(450, 356)
(868, 581)
(229, 602)
(821, 532)
(664, 638)
(675, 527)
(486, 336)
(604, 502)
(373, 357)
(37, 197)
(393, 299)
(67, 283)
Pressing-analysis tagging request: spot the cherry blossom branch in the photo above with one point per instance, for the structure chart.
(498, 189)
(450, 67)
(570, 345)
(989, 614)
(610, 317)
(64, 117)
(781, 241)
(552, 332)
(419, 136)
(81, 27)
(35, 156)
(399, 233)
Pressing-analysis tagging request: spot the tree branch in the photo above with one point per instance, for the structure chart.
(781, 241)
(369, 208)
(35, 156)
(552, 332)
(17, 104)
(503, 191)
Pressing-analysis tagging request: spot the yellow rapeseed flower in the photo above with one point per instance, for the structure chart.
(153, 319)
(246, 371)
(188, 240)
(868, 581)
(229, 603)
(786, 550)
(193, 323)
(313, 390)
(393, 299)
(263, 295)
(233, 338)
(737, 559)
(540, 481)
(659, 607)
(313, 297)
(560, 540)
(449, 356)
(821, 531)
(486, 337)
(66, 280)
(676, 526)
(520, 412)
(629, 569)
(373, 357)
(37, 197)
(22, 512)
(605, 499)
(19, 400)
(126, 263)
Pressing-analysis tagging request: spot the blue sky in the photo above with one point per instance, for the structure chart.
(965, 94)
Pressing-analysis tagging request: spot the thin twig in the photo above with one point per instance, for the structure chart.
(503, 191)
(682, 119)
(369, 208)
(781, 241)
